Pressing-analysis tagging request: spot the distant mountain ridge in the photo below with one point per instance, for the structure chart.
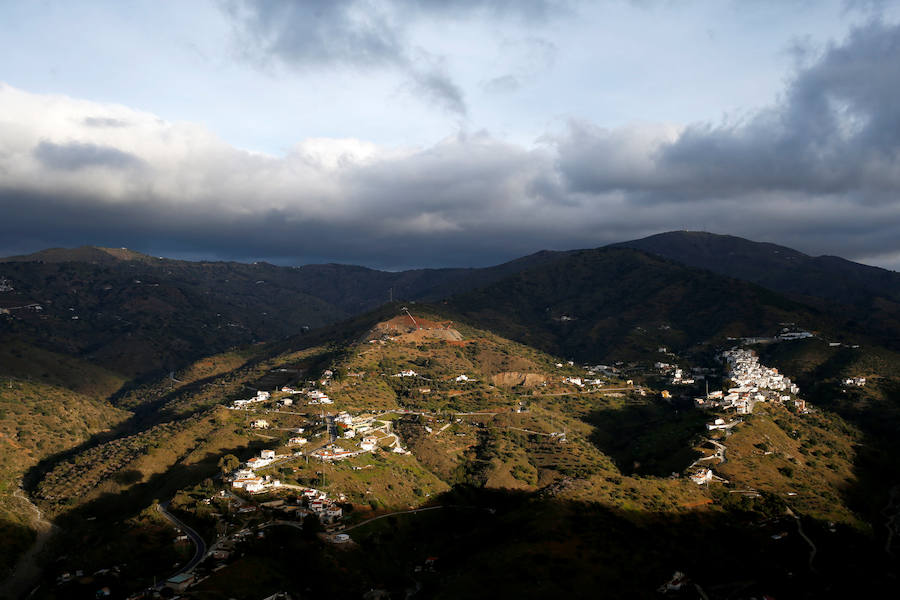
(594, 305)
(870, 295)
(137, 314)
(776, 267)
(350, 289)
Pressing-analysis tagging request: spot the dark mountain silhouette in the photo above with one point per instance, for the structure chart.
(870, 296)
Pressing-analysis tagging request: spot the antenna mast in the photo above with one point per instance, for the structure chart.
(406, 310)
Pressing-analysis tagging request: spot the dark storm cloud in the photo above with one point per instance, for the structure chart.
(468, 200)
(322, 33)
(76, 155)
(281, 236)
(836, 132)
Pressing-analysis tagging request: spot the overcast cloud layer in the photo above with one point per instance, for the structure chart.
(817, 169)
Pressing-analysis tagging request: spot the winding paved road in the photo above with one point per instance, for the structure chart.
(199, 544)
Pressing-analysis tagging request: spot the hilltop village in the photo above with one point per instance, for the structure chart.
(752, 383)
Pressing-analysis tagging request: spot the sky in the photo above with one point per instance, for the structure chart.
(420, 133)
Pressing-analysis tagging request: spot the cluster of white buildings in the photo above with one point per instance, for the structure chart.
(857, 381)
(746, 372)
(678, 378)
(354, 425)
(580, 382)
(245, 478)
(261, 396)
(333, 452)
(366, 429)
(318, 397)
(314, 397)
(753, 383)
(321, 505)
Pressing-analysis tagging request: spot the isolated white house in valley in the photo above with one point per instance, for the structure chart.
(406, 373)
(702, 476)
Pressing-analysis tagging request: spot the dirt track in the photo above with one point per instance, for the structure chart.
(26, 571)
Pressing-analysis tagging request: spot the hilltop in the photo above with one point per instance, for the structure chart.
(96, 255)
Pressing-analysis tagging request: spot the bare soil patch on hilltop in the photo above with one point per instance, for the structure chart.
(405, 328)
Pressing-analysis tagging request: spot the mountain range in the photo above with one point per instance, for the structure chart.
(141, 314)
